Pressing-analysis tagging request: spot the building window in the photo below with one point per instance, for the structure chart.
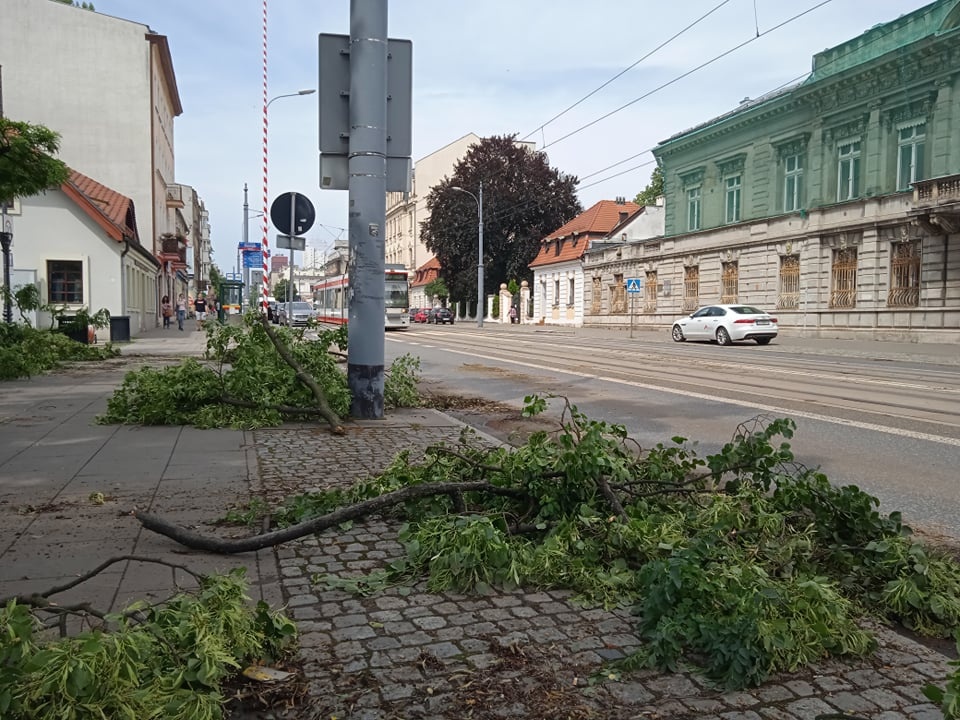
(729, 282)
(571, 291)
(556, 293)
(733, 186)
(904, 275)
(618, 295)
(65, 282)
(848, 170)
(693, 209)
(843, 282)
(910, 142)
(789, 296)
(650, 291)
(595, 296)
(792, 182)
(691, 288)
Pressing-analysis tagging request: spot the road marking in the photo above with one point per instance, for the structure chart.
(701, 396)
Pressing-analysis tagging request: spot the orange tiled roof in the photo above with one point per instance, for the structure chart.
(570, 241)
(426, 273)
(111, 210)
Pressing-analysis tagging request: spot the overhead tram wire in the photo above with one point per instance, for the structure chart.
(507, 211)
(627, 69)
(689, 72)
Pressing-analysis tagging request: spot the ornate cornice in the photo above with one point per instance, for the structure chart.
(919, 108)
(732, 165)
(689, 178)
(843, 240)
(851, 129)
(796, 145)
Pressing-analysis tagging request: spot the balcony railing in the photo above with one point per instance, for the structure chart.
(937, 191)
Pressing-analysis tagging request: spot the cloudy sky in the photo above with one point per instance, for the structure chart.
(490, 67)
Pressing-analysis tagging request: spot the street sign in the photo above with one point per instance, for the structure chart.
(285, 242)
(634, 286)
(302, 211)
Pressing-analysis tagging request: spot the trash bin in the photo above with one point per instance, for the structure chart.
(67, 325)
(119, 328)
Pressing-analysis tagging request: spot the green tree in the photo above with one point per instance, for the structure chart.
(437, 288)
(524, 200)
(649, 195)
(27, 165)
(281, 288)
(215, 277)
(74, 3)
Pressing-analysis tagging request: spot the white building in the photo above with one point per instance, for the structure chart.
(108, 87)
(79, 245)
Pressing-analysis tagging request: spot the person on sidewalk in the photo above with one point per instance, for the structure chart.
(181, 310)
(513, 314)
(166, 309)
(200, 308)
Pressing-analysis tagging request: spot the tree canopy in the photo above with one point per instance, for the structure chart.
(649, 195)
(27, 165)
(524, 200)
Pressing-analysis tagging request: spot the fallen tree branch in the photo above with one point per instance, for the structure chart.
(304, 377)
(196, 541)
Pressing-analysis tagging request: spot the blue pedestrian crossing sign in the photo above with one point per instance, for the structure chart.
(633, 285)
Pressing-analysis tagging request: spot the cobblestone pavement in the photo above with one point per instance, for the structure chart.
(409, 653)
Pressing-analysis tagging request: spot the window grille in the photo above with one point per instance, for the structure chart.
(843, 290)
(730, 282)
(691, 288)
(789, 297)
(618, 295)
(595, 299)
(650, 292)
(905, 275)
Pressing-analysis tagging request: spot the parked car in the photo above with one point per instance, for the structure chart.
(726, 324)
(278, 310)
(422, 315)
(441, 316)
(297, 313)
(413, 314)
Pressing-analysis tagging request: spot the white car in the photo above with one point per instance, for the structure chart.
(726, 324)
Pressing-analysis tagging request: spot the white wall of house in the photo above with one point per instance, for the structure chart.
(558, 294)
(94, 79)
(52, 227)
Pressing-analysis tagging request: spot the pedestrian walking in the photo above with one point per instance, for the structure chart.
(513, 314)
(200, 309)
(166, 309)
(212, 306)
(181, 310)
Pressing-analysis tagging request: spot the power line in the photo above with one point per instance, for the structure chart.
(689, 72)
(627, 69)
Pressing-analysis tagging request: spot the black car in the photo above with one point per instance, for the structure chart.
(440, 315)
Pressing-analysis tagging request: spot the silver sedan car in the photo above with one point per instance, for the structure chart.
(726, 324)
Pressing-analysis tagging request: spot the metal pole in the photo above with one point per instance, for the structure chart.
(293, 232)
(481, 306)
(5, 239)
(241, 266)
(367, 166)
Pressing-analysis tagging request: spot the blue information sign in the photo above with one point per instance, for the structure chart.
(633, 285)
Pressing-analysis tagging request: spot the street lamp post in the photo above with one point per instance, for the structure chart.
(481, 310)
(265, 242)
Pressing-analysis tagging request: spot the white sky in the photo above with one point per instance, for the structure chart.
(489, 67)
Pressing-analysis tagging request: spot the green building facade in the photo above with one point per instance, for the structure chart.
(835, 201)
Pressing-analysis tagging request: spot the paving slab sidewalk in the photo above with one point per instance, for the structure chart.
(401, 653)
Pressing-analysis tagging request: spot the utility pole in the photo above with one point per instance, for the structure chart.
(6, 238)
(367, 169)
(246, 238)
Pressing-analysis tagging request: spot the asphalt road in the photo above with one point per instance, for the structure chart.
(883, 416)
